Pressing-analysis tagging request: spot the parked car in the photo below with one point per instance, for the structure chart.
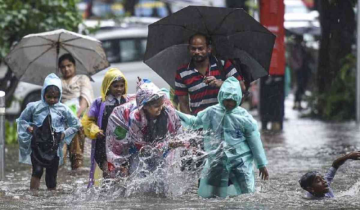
(124, 47)
(103, 9)
(299, 19)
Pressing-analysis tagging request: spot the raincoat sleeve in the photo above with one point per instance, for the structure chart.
(135, 133)
(90, 127)
(252, 136)
(90, 118)
(73, 125)
(24, 137)
(118, 142)
(192, 122)
(173, 116)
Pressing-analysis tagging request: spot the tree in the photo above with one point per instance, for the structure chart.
(337, 19)
(20, 18)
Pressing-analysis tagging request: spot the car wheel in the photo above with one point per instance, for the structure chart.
(33, 96)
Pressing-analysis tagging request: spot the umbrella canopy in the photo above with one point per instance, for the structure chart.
(234, 35)
(36, 55)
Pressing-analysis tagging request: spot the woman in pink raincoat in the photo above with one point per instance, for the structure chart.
(149, 121)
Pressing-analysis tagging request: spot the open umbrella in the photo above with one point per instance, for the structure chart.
(234, 35)
(36, 55)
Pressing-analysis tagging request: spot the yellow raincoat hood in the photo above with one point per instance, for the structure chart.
(109, 77)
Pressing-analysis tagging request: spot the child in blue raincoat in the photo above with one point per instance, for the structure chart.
(232, 142)
(43, 127)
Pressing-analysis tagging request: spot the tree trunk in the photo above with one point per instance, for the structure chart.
(338, 25)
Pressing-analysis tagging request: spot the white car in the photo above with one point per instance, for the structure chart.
(124, 47)
(299, 19)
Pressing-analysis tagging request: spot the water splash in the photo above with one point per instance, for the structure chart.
(353, 191)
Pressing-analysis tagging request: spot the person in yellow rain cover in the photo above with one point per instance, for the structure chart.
(113, 93)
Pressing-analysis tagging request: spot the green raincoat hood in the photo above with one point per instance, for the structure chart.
(230, 89)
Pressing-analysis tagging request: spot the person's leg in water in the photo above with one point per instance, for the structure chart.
(34, 183)
(51, 174)
(105, 170)
(299, 89)
(242, 177)
(100, 156)
(37, 172)
(76, 150)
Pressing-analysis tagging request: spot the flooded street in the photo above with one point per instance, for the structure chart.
(66, 66)
(304, 145)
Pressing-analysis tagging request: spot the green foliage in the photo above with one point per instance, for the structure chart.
(20, 18)
(253, 7)
(338, 104)
(10, 133)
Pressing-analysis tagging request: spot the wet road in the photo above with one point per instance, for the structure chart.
(303, 145)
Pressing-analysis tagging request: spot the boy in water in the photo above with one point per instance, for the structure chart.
(43, 127)
(232, 142)
(318, 186)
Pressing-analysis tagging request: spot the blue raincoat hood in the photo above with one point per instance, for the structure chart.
(51, 79)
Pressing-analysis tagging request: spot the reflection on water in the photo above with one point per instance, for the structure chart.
(304, 145)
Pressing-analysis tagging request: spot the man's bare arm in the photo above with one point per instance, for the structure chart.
(83, 106)
(341, 160)
(184, 104)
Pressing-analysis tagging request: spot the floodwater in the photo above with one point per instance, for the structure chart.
(304, 145)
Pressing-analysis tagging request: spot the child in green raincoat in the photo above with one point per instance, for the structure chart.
(232, 141)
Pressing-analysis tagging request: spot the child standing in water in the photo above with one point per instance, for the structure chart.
(232, 141)
(43, 127)
(113, 93)
(318, 186)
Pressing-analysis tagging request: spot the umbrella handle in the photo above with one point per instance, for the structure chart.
(242, 71)
(57, 56)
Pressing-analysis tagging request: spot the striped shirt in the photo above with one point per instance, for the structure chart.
(189, 81)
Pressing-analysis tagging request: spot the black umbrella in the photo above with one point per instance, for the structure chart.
(234, 35)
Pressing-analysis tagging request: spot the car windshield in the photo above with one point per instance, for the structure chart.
(296, 7)
(124, 50)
